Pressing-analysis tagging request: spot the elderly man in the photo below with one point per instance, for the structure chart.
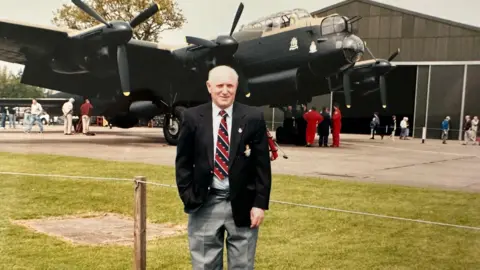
(67, 110)
(86, 111)
(223, 175)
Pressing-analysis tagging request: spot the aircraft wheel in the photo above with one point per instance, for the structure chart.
(171, 125)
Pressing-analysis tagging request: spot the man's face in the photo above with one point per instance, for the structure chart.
(289, 108)
(222, 88)
(87, 101)
(34, 101)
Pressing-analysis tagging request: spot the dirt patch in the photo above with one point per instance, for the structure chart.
(98, 229)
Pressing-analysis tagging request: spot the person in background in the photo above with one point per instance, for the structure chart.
(313, 118)
(403, 128)
(445, 129)
(288, 118)
(336, 125)
(12, 117)
(324, 127)
(301, 125)
(3, 116)
(375, 125)
(394, 127)
(35, 111)
(85, 111)
(408, 129)
(372, 128)
(467, 128)
(475, 129)
(67, 110)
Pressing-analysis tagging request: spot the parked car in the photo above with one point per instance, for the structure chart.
(25, 118)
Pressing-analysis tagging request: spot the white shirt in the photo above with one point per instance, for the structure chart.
(36, 109)
(216, 119)
(67, 107)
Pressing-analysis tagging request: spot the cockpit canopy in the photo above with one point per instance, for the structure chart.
(277, 20)
(335, 24)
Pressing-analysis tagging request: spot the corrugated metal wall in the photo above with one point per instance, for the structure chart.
(420, 39)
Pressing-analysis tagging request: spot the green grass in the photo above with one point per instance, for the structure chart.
(291, 238)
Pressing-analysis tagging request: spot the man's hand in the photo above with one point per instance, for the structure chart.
(256, 215)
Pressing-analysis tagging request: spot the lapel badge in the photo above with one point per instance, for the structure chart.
(240, 130)
(248, 150)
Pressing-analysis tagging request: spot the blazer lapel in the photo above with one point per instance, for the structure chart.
(207, 115)
(237, 119)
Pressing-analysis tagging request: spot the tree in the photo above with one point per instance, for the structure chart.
(11, 87)
(168, 17)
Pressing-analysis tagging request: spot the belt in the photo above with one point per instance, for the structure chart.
(220, 192)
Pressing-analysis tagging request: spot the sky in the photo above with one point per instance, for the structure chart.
(209, 18)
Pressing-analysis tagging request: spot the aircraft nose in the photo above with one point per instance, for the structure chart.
(353, 48)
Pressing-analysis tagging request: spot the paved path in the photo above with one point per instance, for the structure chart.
(401, 162)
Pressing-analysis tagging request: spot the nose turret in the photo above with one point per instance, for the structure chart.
(353, 48)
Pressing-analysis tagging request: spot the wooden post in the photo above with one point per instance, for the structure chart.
(140, 224)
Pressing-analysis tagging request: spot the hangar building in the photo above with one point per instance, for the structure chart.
(437, 73)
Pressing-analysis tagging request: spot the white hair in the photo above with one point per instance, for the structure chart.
(222, 68)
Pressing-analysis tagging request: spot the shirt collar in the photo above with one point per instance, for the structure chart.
(216, 110)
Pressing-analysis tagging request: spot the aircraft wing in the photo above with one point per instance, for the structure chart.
(34, 46)
(20, 40)
(27, 102)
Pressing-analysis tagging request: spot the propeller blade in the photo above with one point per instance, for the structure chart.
(123, 71)
(90, 11)
(347, 89)
(201, 42)
(383, 91)
(144, 15)
(394, 55)
(237, 18)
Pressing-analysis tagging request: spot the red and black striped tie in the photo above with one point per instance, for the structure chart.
(222, 148)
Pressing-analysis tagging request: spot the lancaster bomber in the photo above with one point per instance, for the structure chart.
(281, 59)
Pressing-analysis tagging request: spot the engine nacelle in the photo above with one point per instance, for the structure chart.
(272, 88)
(144, 109)
(127, 120)
(284, 87)
(99, 61)
(285, 79)
(67, 67)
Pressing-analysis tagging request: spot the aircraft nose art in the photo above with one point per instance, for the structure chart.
(353, 48)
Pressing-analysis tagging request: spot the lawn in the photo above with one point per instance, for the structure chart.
(292, 237)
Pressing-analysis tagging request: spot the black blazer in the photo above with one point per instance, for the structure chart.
(249, 177)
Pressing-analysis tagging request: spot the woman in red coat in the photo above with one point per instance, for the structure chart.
(313, 118)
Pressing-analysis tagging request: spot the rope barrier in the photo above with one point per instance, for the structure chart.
(376, 215)
(274, 201)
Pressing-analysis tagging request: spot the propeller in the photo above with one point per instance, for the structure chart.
(379, 63)
(91, 12)
(223, 48)
(383, 81)
(347, 88)
(121, 33)
(394, 55)
(223, 45)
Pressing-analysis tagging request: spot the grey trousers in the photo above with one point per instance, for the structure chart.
(206, 235)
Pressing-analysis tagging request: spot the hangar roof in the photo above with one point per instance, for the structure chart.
(394, 8)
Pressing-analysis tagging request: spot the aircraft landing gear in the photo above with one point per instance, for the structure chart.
(171, 125)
